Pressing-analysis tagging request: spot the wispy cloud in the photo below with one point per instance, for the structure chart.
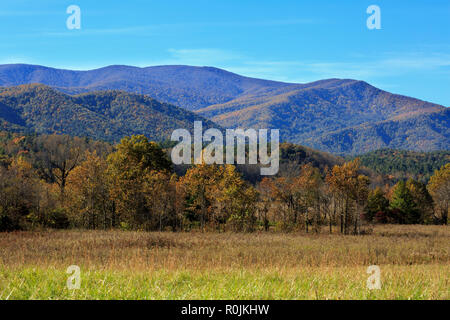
(263, 23)
(390, 64)
(363, 68)
(375, 70)
(155, 29)
(148, 30)
(26, 13)
(205, 56)
(394, 65)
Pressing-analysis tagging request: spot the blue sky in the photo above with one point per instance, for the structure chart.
(294, 41)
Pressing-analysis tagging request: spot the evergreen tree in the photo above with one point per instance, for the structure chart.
(402, 202)
(376, 203)
(422, 200)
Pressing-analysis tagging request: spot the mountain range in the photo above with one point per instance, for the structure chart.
(341, 116)
(102, 115)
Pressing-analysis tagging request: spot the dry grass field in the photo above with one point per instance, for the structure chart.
(414, 263)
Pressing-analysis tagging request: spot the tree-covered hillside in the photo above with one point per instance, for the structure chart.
(405, 164)
(188, 87)
(104, 115)
(342, 116)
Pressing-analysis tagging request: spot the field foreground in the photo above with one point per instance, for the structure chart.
(414, 264)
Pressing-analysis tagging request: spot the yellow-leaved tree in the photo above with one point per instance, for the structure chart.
(351, 188)
(439, 188)
(88, 189)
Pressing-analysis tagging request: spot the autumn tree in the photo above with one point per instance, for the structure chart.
(352, 189)
(217, 195)
(286, 199)
(18, 194)
(266, 202)
(200, 185)
(299, 199)
(439, 188)
(56, 156)
(129, 169)
(4, 159)
(160, 191)
(236, 200)
(312, 195)
(88, 190)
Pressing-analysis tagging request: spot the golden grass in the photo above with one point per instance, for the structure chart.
(414, 262)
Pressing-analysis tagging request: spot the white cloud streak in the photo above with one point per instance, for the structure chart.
(386, 65)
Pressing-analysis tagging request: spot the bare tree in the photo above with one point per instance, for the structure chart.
(57, 155)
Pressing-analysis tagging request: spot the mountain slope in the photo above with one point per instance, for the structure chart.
(426, 132)
(105, 115)
(342, 116)
(188, 87)
(400, 164)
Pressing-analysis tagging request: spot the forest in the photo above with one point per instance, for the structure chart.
(62, 182)
(404, 164)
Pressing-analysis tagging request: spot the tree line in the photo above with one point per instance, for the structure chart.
(403, 164)
(58, 181)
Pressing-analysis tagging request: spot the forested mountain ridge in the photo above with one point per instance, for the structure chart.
(102, 115)
(400, 164)
(342, 116)
(184, 86)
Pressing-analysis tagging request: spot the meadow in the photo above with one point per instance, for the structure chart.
(413, 259)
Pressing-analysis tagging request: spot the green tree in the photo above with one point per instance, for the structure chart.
(129, 169)
(402, 202)
(422, 200)
(376, 202)
(137, 151)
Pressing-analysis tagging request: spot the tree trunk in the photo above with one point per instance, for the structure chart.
(334, 214)
(346, 220)
(306, 221)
